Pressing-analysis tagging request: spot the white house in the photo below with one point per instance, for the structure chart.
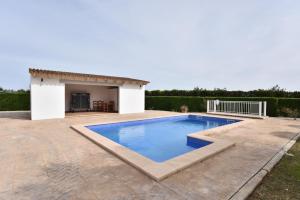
(53, 93)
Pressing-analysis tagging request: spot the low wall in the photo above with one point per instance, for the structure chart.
(15, 114)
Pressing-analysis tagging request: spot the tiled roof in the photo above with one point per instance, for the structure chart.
(84, 77)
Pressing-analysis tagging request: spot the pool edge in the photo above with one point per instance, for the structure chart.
(155, 170)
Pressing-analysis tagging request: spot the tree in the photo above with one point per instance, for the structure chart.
(276, 88)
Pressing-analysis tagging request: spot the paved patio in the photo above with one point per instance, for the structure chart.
(48, 160)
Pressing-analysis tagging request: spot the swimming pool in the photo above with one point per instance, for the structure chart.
(160, 139)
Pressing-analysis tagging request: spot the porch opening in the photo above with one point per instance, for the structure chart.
(91, 98)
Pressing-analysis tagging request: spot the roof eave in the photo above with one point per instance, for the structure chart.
(83, 77)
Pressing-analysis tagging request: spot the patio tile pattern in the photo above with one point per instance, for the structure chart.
(48, 160)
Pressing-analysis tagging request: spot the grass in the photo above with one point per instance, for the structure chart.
(283, 182)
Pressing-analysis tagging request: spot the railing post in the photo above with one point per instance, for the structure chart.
(207, 108)
(265, 108)
(259, 108)
(215, 106)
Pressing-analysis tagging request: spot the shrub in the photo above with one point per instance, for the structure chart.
(291, 103)
(294, 113)
(14, 101)
(275, 91)
(184, 109)
(195, 104)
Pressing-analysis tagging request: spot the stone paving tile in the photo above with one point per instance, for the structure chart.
(209, 179)
(48, 160)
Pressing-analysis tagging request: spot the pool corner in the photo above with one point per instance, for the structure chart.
(160, 171)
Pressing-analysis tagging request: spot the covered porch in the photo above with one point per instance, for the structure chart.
(87, 97)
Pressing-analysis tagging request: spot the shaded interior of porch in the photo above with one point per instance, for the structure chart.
(90, 98)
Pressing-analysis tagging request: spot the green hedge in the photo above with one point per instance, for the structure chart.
(14, 101)
(275, 106)
(198, 104)
(292, 103)
(200, 92)
(195, 104)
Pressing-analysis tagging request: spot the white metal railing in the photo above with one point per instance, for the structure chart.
(247, 108)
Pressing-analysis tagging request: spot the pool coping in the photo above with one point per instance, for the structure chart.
(160, 171)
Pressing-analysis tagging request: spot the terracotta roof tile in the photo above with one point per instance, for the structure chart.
(83, 77)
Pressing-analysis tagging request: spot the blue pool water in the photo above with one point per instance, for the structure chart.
(162, 138)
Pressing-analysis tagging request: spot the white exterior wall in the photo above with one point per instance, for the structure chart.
(47, 98)
(50, 97)
(131, 99)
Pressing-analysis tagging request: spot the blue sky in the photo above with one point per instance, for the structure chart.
(229, 44)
